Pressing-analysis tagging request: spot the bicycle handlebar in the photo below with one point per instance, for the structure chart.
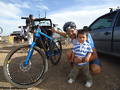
(24, 17)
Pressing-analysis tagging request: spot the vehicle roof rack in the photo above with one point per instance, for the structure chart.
(114, 9)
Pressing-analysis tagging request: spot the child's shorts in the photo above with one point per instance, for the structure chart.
(96, 61)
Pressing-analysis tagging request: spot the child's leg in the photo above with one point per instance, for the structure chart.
(86, 73)
(94, 55)
(74, 72)
(69, 57)
(95, 64)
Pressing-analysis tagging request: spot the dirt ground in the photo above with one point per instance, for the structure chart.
(56, 79)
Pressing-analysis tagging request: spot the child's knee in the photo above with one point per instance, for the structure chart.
(96, 69)
(69, 54)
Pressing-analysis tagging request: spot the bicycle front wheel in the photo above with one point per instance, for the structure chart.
(23, 76)
(55, 52)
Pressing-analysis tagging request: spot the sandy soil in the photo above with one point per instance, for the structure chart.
(56, 78)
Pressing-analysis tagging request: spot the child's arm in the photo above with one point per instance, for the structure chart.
(72, 57)
(89, 54)
(94, 54)
(59, 32)
(87, 58)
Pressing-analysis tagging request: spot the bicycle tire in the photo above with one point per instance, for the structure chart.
(28, 73)
(55, 47)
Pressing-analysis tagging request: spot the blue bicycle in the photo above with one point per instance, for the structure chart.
(25, 66)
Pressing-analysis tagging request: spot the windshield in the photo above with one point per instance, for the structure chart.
(43, 23)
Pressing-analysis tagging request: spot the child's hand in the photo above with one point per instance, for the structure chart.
(86, 59)
(77, 60)
(70, 60)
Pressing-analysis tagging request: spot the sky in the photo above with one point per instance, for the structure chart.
(82, 12)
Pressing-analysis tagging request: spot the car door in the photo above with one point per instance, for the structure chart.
(101, 31)
(116, 36)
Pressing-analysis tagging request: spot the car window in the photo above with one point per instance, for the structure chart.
(104, 22)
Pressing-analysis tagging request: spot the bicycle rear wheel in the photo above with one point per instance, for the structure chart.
(55, 51)
(25, 76)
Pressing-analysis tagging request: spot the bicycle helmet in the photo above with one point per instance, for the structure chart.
(69, 25)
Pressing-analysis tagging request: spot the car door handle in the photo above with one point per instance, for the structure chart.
(107, 33)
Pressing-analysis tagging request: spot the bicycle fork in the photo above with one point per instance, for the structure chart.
(30, 53)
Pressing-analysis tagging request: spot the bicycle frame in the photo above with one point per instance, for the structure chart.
(37, 35)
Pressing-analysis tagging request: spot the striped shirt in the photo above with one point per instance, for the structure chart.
(81, 50)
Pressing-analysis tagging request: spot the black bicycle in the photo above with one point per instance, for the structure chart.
(26, 65)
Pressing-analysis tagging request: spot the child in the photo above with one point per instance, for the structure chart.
(81, 54)
(70, 30)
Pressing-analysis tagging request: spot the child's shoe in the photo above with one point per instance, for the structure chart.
(70, 81)
(88, 84)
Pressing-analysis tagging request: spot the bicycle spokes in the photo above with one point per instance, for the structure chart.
(53, 53)
(21, 74)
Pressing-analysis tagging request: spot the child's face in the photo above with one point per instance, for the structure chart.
(82, 37)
